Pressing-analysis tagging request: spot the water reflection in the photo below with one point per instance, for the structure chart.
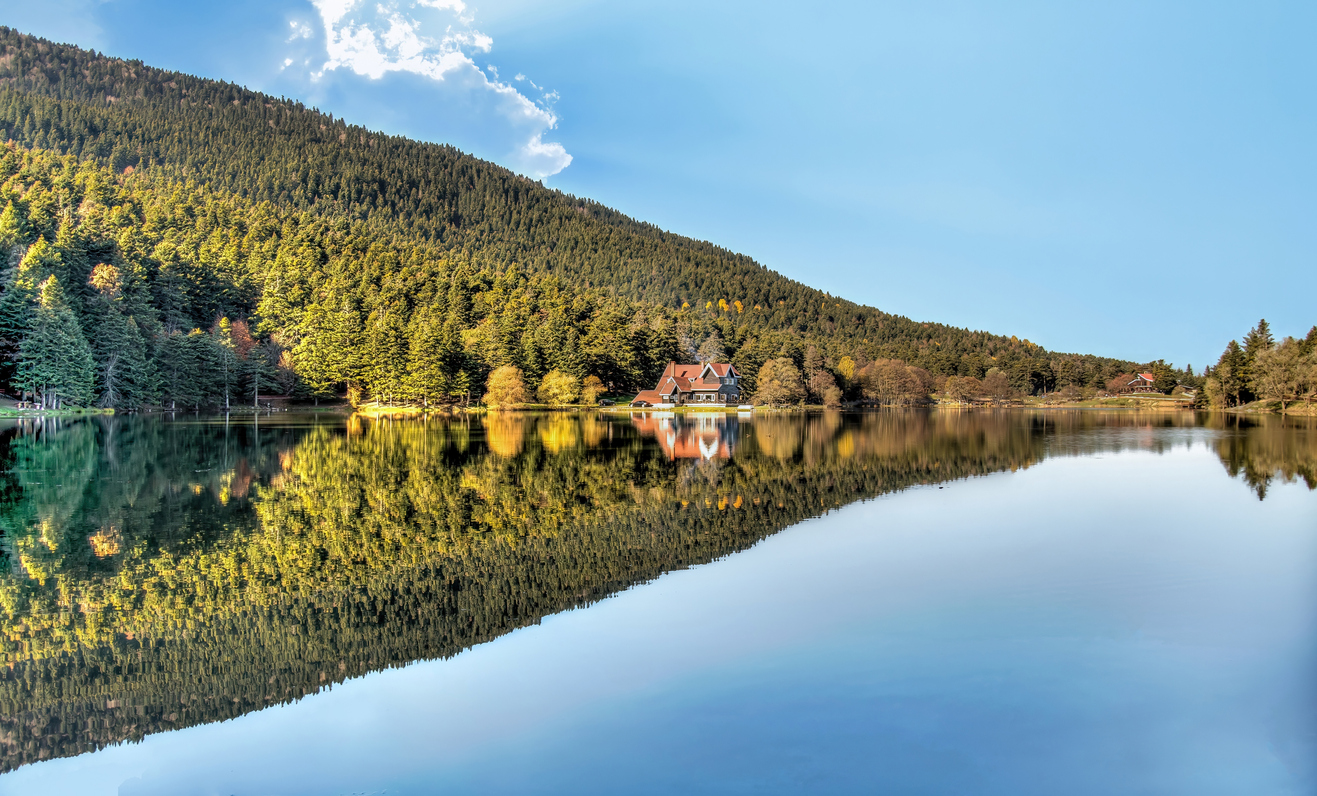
(689, 436)
(167, 574)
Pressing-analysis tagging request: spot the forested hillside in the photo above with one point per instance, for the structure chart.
(237, 243)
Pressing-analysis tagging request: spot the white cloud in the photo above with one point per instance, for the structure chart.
(456, 6)
(373, 39)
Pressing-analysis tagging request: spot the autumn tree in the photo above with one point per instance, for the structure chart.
(846, 370)
(591, 390)
(1278, 373)
(779, 383)
(962, 388)
(711, 350)
(890, 381)
(820, 385)
(505, 387)
(997, 386)
(1308, 369)
(558, 388)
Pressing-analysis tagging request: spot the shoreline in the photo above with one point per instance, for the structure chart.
(1123, 403)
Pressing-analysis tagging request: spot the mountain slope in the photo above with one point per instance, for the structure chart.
(434, 203)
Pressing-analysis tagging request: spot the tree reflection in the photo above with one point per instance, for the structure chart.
(1261, 449)
(165, 574)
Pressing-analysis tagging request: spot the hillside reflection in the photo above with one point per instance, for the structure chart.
(166, 574)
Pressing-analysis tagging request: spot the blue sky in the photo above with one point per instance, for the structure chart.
(1131, 179)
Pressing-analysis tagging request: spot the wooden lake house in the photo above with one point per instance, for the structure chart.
(707, 384)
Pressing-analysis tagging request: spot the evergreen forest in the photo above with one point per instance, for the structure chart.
(178, 242)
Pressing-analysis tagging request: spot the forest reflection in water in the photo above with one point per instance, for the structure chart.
(163, 574)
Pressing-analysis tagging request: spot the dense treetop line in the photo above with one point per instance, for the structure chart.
(310, 220)
(161, 575)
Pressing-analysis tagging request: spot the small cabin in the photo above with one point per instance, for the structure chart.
(1142, 382)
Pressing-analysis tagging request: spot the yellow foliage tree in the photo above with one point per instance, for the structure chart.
(559, 389)
(846, 369)
(593, 388)
(505, 387)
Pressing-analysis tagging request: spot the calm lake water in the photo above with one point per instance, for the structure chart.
(967, 602)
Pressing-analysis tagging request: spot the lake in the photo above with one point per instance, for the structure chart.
(922, 602)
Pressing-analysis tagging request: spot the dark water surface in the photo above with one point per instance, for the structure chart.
(911, 603)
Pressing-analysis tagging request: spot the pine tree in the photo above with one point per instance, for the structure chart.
(386, 344)
(1230, 373)
(427, 366)
(73, 267)
(141, 383)
(170, 291)
(227, 363)
(313, 355)
(181, 369)
(55, 361)
(41, 261)
(17, 308)
(260, 371)
(457, 369)
(346, 351)
(1258, 340)
(12, 228)
(1309, 343)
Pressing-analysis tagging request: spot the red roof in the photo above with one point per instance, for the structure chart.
(694, 377)
(648, 397)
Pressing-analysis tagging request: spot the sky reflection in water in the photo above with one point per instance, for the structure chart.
(1108, 609)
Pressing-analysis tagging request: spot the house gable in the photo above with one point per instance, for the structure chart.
(709, 383)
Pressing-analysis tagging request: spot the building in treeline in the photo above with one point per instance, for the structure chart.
(707, 384)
